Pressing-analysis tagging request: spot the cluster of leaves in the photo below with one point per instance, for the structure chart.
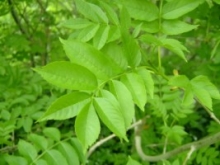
(121, 56)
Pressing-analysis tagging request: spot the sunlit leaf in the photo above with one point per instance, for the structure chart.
(40, 141)
(66, 106)
(175, 9)
(88, 33)
(55, 157)
(101, 37)
(27, 149)
(68, 75)
(76, 23)
(136, 86)
(52, 133)
(111, 116)
(87, 126)
(174, 27)
(132, 161)
(124, 98)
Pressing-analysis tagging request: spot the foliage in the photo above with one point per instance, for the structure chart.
(128, 61)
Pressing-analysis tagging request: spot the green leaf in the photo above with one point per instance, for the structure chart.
(217, 1)
(69, 76)
(27, 124)
(41, 162)
(15, 160)
(101, 36)
(141, 9)
(124, 98)
(26, 149)
(86, 55)
(91, 11)
(115, 52)
(114, 34)
(87, 126)
(174, 27)
(67, 106)
(150, 39)
(214, 50)
(203, 97)
(175, 46)
(111, 115)
(39, 141)
(76, 23)
(52, 133)
(88, 33)
(55, 157)
(132, 161)
(136, 86)
(175, 9)
(69, 152)
(111, 14)
(180, 81)
(148, 81)
(188, 96)
(204, 83)
(78, 148)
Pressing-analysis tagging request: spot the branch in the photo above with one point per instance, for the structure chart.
(102, 141)
(16, 19)
(195, 145)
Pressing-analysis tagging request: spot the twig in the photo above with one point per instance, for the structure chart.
(197, 144)
(189, 154)
(102, 141)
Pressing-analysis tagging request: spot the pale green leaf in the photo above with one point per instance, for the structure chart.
(136, 86)
(111, 14)
(175, 46)
(149, 27)
(114, 34)
(15, 160)
(136, 31)
(86, 55)
(132, 161)
(27, 149)
(179, 81)
(176, 8)
(41, 162)
(150, 39)
(54, 157)
(27, 124)
(203, 96)
(141, 9)
(67, 106)
(148, 81)
(69, 76)
(76, 23)
(86, 9)
(88, 33)
(101, 36)
(204, 83)
(39, 141)
(115, 52)
(124, 98)
(174, 27)
(125, 20)
(69, 153)
(79, 149)
(188, 96)
(52, 133)
(214, 50)
(111, 116)
(99, 12)
(87, 126)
